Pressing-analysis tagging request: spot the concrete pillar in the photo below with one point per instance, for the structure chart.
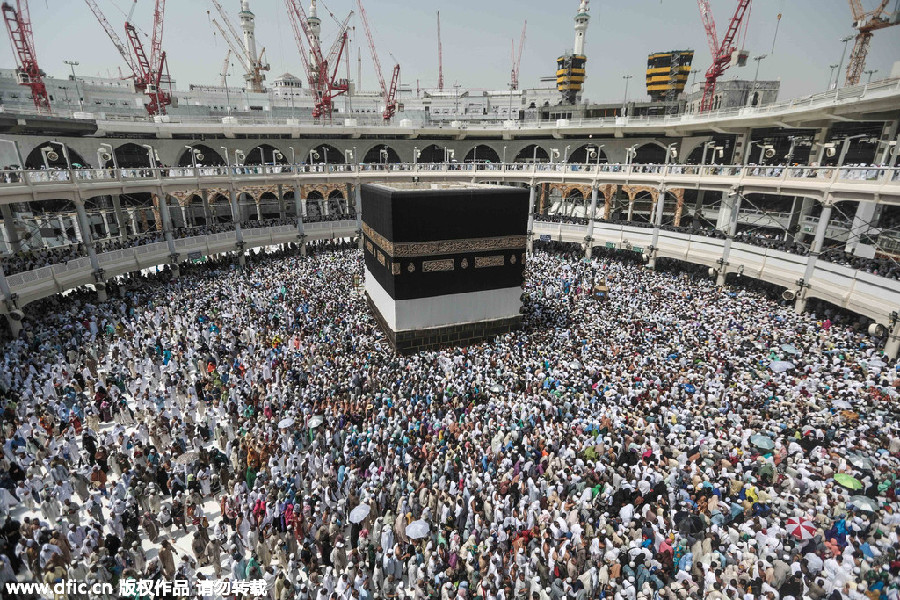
(819, 145)
(298, 208)
(814, 251)
(607, 206)
(734, 211)
(15, 324)
(324, 208)
(630, 208)
(357, 195)
(9, 224)
(532, 196)
(864, 220)
(166, 216)
(589, 241)
(121, 221)
(88, 241)
(281, 210)
(238, 234)
(259, 215)
(656, 215)
(207, 211)
(888, 133)
(892, 345)
(742, 145)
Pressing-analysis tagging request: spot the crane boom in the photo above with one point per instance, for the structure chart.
(298, 37)
(224, 73)
(156, 53)
(440, 55)
(517, 60)
(388, 94)
(21, 36)
(337, 47)
(232, 47)
(722, 55)
(116, 40)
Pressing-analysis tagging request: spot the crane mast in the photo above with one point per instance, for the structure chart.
(722, 53)
(440, 55)
(18, 26)
(866, 23)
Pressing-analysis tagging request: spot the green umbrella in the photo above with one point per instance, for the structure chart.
(848, 481)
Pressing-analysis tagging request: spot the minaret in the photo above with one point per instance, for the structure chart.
(248, 24)
(315, 25)
(581, 25)
(570, 71)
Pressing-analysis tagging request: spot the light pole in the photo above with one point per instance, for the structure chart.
(830, 76)
(843, 56)
(758, 60)
(630, 153)
(73, 64)
(694, 78)
(456, 96)
(625, 99)
(239, 162)
(504, 155)
(566, 154)
(150, 153)
(870, 72)
(227, 160)
(65, 151)
(193, 156)
(671, 152)
(415, 156)
(112, 154)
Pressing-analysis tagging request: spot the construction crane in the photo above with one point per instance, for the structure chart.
(517, 60)
(322, 81)
(146, 71)
(253, 66)
(440, 56)
(866, 23)
(389, 94)
(725, 54)
(18, 25)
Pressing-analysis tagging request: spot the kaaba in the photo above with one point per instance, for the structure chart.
(445, 263)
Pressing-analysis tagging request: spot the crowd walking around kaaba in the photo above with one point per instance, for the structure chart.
(251, 424)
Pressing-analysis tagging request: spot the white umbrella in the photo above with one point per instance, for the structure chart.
(417, 530)
(841, 404)
(359, 513)
(780, 366)
(877, 362)
(285, 422)
(315, 421)
(864, 503)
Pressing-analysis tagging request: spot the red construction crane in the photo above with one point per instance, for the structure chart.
(517, 60)
(18, 25)
(725, 54)
(146, 72)
(389, 94)
(440, 56)
(322, 80)
(866, 23)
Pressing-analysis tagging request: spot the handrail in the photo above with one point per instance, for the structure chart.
(675, 172)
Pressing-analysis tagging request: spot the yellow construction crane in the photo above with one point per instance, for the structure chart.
(866, 23)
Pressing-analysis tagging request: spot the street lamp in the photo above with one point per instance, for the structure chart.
(625, 99)
(45, 152)
(383, 154)
(594, 152)
(844, 39)
(239, 162)
(415, 156)
(830, 76)
(313, 154)
(671, 152)
(73, 64)
(758, 60)
(227, 161)
(566, 154)
(707, 146)
(870, 72)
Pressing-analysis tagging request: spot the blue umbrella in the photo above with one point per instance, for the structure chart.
(689, 388)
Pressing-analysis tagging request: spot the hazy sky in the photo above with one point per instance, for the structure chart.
(477, 36)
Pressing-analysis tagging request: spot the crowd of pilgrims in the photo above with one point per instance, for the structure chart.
(225, 424)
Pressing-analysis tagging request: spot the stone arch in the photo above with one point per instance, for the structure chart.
(265, 154)
(574, 193)
(381, 153)
(131, 156)
(580, 155)
(532, 153)
(650, 153)
(482, 153)
(35, 159)
(432, 154)
(324, 153)
(336, 194)
(207, 157)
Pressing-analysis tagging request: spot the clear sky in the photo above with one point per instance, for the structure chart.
(477, 36)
